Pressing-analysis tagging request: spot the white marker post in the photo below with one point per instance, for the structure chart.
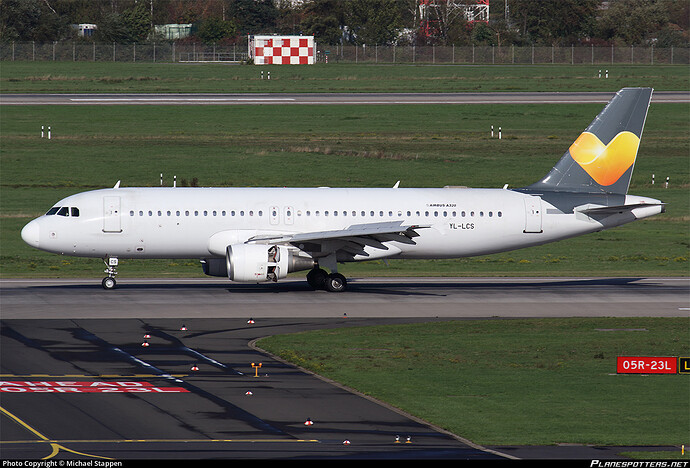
(49, 132)
(607, 74)
(161, 179)
(599, 73)
(269, 75)
(652, 179)
(492, 131)
(666, 183)
(42, 128)
(499, 133)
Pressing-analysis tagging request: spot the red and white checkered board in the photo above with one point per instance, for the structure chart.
(284, 51)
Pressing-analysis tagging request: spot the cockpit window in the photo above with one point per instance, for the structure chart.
(74, 211)
(52, 211)
(64, 211)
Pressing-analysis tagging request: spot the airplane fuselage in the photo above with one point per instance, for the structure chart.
(201, 222)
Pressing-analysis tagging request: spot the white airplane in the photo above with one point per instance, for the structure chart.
(262, 234)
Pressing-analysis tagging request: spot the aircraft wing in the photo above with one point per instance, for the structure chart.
(352, 239)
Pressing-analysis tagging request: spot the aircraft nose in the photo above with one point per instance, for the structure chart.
(30, 233)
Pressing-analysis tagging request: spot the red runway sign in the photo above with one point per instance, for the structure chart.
(647, 365)
(85, 387)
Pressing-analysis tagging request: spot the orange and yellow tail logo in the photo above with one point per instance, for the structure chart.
(605, 163)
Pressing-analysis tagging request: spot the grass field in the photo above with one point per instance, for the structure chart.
(533, 382)
(119, 77)
(362, 146)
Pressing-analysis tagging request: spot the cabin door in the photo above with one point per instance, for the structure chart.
(111, 214)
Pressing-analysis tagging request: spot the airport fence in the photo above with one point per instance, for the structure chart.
(78, 51)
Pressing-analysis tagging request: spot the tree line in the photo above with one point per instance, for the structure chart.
(662, 23)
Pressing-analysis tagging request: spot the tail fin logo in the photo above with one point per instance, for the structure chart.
(605, 163)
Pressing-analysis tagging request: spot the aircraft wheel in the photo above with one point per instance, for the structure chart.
(336, 283)
(317, 278)
(108, 283)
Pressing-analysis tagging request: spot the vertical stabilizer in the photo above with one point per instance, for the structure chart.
(602, 158)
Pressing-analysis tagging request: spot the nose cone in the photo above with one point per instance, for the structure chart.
(30, 233)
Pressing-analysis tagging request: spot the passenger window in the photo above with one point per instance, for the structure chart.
(141, 213)
(52, 211)
(500, 214)
(75, 212)
(462, 214)
(131, 213)
(64, 211)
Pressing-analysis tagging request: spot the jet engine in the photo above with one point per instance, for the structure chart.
(256, 263)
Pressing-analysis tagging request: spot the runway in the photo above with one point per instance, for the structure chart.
(329, 98)
(365, 298)
(77, 382)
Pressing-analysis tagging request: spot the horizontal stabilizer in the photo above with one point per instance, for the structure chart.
(590, 209)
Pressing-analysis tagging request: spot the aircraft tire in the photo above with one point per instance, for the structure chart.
(336, 283)
(108, 283)
(317, 278)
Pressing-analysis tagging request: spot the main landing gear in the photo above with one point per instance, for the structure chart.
(320, 279)
(111, 270)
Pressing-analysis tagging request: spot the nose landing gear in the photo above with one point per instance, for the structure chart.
(111, 270)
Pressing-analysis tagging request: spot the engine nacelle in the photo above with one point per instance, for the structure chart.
(258, 262)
